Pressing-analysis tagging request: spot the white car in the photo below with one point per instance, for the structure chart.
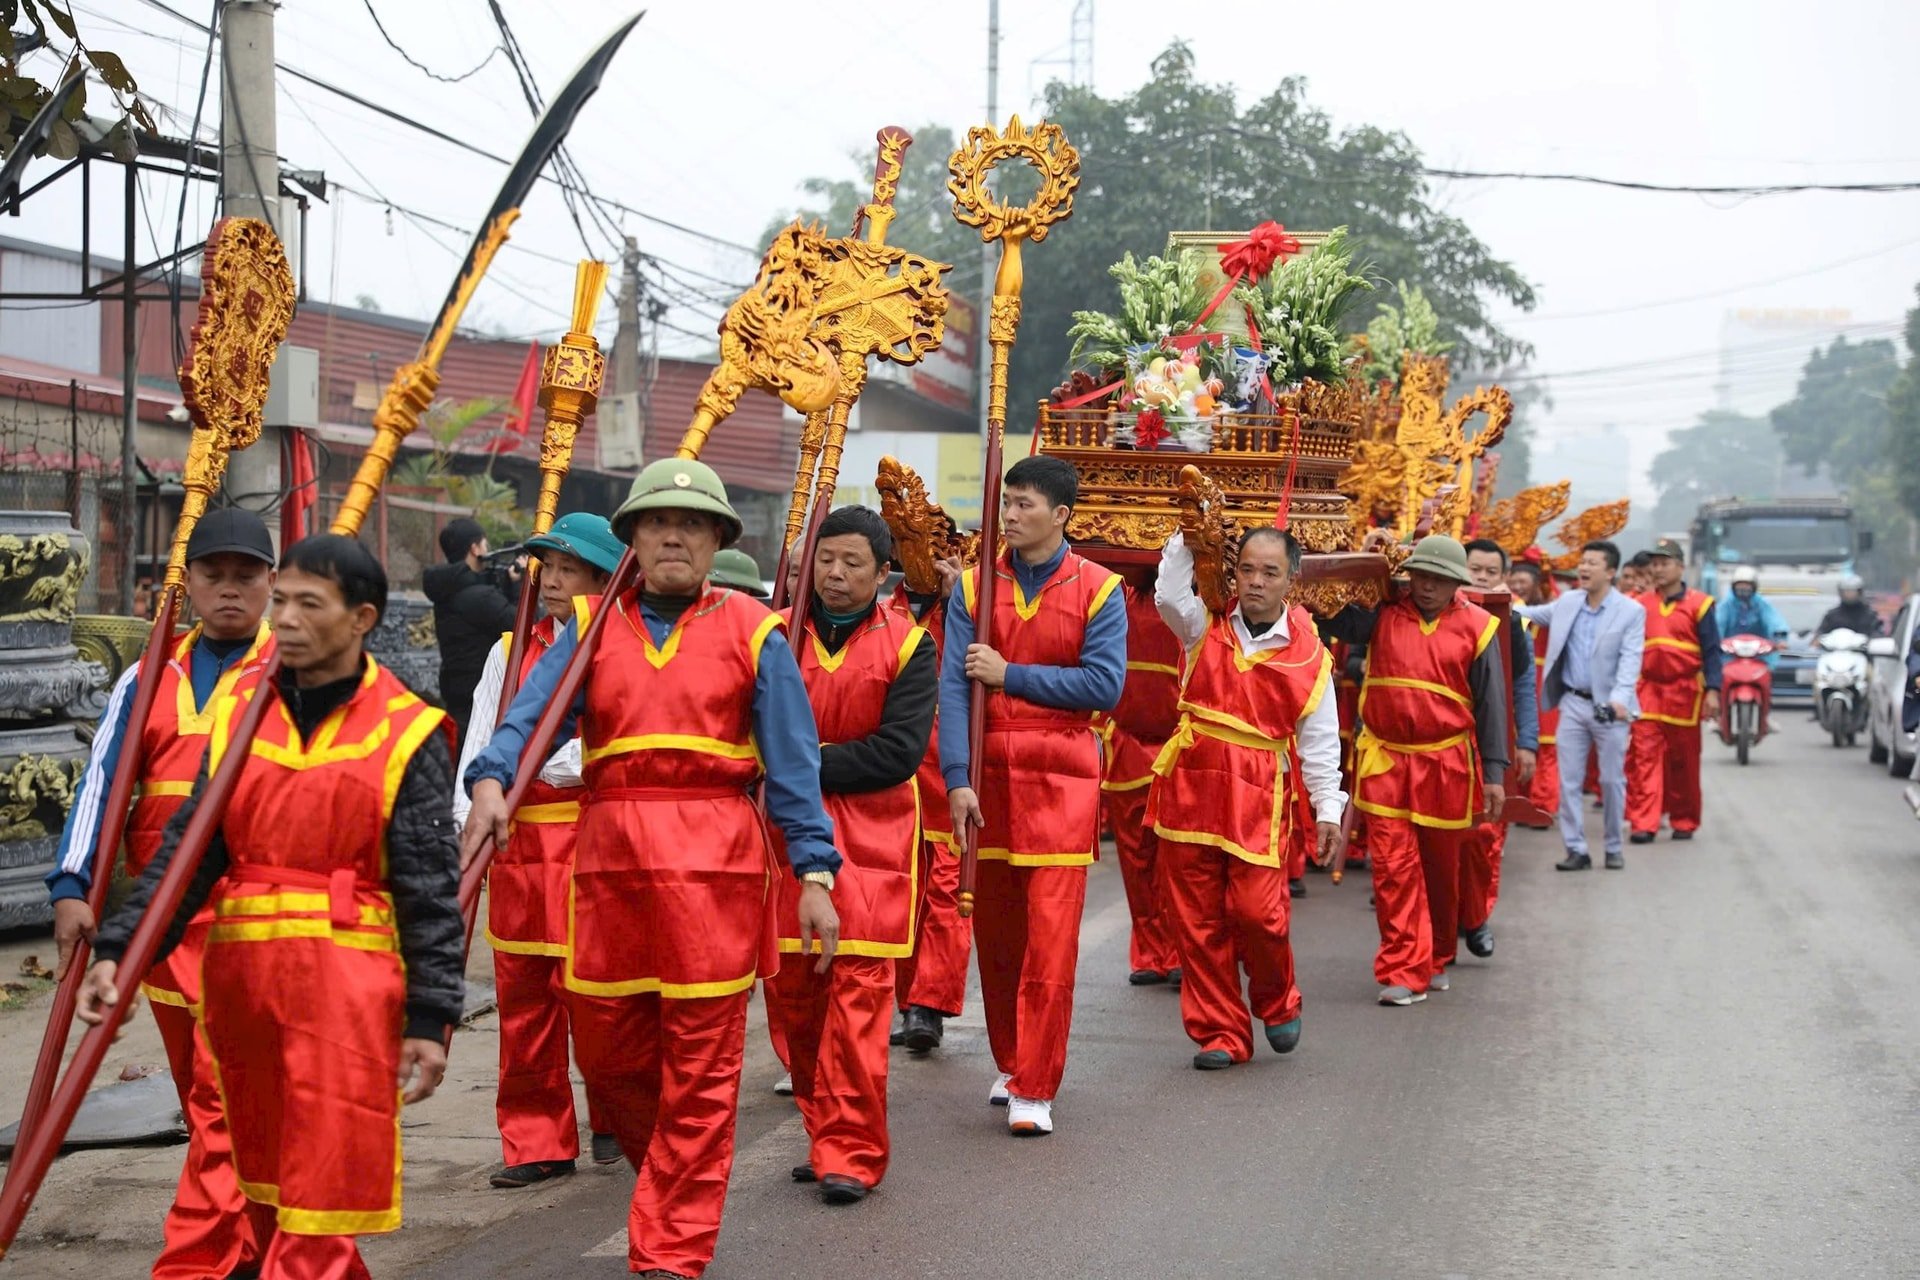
(1887, 742)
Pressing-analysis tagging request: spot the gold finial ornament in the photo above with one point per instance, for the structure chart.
(570, 379)
(766, 338)
(247, 294)
(1590, 525)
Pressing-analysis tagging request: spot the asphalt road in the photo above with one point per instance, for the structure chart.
(1704, 1065)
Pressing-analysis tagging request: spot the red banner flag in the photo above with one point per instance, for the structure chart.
(520, 412)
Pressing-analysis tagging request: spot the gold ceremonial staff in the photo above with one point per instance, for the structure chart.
(1047, 150)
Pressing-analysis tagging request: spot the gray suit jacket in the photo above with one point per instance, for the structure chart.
(1622, 631)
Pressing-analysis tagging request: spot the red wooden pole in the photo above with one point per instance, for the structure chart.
(113, 824)
(517, 646)
(982, 634)
(35, 1153)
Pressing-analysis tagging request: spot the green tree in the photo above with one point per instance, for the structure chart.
(1839, 418)
(1903, 420)
(1722, 454)
(22, 94)
(1181, 154)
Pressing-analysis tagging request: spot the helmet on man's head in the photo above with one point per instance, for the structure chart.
(1852, 582)
(1748, 574)
(678, 484)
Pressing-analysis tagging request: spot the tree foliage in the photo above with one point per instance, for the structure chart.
(23, 94)
(1723, 454)
(1181, 154)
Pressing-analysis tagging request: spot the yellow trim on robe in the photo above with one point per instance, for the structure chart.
(760, 634)
(1100, 596)
(1169, 758)
(1487, 634)
(558, 811)
(1160, 668)
(669, 742)
(1427, 686)
(1370, 760)
(642, 986)
(274, 930)
(144, 790)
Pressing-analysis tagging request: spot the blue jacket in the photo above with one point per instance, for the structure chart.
(1617, 644)
(1753, 617)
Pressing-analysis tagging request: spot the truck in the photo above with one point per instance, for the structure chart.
(1800, 547)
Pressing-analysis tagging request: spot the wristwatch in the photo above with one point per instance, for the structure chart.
(822, 878)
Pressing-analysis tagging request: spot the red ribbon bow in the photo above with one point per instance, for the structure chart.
(1264, 246)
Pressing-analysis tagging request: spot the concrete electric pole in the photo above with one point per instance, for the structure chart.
(250, 185)
(626, 339)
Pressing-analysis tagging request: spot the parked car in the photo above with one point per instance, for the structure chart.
(1887, 742)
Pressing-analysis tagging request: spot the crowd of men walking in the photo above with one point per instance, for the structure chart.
(748, 798)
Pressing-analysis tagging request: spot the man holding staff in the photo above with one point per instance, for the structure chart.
(229, 578)
(691, 701)
(1059, 655)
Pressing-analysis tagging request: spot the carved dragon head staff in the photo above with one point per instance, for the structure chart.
(923, 532)
(1210, 534)
(1590, 525)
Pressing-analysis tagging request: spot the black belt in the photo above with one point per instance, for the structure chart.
(1581, 693)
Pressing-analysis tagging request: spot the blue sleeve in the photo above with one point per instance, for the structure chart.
(956, 691)
(1710, 656)
(1093, 685)
(72, 873)
(1526, 704)
(790, 752)
(501, 760)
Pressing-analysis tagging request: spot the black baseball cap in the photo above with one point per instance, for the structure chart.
(230, 529)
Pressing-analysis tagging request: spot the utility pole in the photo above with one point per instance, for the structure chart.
(983, 348)
(250, 184)
(626, 339)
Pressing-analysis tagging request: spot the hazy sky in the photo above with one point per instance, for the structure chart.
(715, 111)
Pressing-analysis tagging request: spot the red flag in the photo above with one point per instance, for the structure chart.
(302, 493)
(520, 412)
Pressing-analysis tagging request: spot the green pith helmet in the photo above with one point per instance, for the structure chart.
(678, 484)
(735, 568)
(1440, 556)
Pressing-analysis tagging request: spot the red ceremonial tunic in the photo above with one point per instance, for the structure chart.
(877, 889)
(1416, 754)
(1222, 779)
(671, 870)
(527, 881)
(1549, 716)
(1140, 725)
(171, 748)
(936, 821)
(1673, 682)
(305, 988)
(1053, 750)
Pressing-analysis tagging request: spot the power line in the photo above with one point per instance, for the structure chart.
(420, 66)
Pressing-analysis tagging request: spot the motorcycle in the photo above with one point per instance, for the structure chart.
(1746, 693)
(1840, 685)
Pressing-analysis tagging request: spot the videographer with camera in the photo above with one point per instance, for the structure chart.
(473, 604)
(1594, 640)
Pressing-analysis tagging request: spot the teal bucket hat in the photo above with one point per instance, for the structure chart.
(582, 534)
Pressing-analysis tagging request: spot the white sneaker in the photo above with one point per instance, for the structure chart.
(784, 1085)
(997, 1096)
(1029, 1117)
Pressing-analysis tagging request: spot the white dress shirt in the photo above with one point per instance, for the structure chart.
(1317, 738)
(562, 768)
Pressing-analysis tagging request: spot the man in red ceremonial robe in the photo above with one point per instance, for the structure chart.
(333, 964)
(1257, 729)
(1059, 654)
(1679, 683)
(527, 885)
(871, 677)
(229, 577)
(1432, 756)
(930, 985)
(691, 701)
(1135, 732)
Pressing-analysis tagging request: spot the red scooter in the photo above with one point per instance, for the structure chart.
(1746, 692)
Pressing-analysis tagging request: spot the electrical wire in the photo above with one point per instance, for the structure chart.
(420, 66)
(175, 273)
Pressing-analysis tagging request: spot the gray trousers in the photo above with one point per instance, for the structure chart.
(1578, 736)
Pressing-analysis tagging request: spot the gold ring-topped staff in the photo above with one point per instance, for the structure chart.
(1058, 163)
(247, 294)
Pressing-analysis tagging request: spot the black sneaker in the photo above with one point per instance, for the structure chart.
(1683, 835)
(1297, 887)
(923, 1029)
(1480, 941)
(1616, 861)
(526, 1175)
(1641, 837)
(606, 1149)
(1576, 862)
(1146, 978)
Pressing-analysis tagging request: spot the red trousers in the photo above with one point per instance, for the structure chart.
(534, 1107)
(207, 1231)
(1028, 926)
(1416, 887)
(1228, 911)
(935, 975)
(1480, 855)
(1545, 789)
(836, 1026)
(292, 1257)
(1663, 776)
(1152, 946)
(668, 1074)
